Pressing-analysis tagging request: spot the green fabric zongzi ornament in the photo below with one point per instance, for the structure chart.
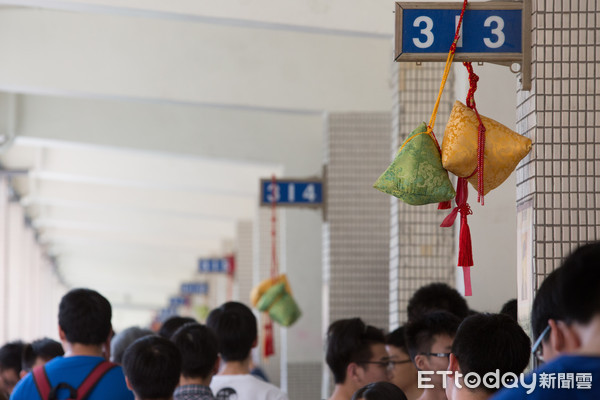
(280, 304)
(416, 176)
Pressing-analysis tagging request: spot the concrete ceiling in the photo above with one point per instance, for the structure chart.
(144, 126)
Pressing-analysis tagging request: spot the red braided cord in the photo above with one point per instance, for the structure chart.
(274, 264)
(268, 346)
(473, 79)
(457, 34)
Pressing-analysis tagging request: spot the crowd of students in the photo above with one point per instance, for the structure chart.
(444, 351)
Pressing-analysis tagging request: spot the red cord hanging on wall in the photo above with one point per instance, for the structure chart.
(465, 251)
(269, 347)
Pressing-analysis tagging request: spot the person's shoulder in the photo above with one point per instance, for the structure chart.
(249, 384)
(113, 385)
(270, 391)
(24, 389)
(574, 362)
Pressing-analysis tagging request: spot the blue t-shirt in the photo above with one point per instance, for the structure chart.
(567, 377)
(73, 370)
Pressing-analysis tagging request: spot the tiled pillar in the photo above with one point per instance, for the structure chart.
(357, 230)
(420, 251)
(558, 183)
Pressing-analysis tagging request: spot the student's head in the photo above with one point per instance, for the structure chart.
(236, 329)
(10, 365)
(429, 341)
(404, 371)
(510, 308)
(356, 353)
(152, 366)
(84, 317)
(546, 312)
(168, 328)
(485, 343)
(579, 286)
(379, 391)
(39, 352)
(123, 339)
(198, 347)
(437, 296)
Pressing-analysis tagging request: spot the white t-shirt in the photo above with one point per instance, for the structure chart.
(244, 387)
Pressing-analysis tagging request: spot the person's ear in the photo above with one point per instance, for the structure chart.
(421, 362)
(352, 372)
(61, 334)
(128, 384)
(567, 338)
(22, 374)
(106, 344)
(217, 365)
(556, 340)
(453, 365)
(255, 343)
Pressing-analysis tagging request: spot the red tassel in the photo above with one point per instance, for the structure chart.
(467, 280)
(445, 205)
(465, 252)
(269, 348)
(450, 218)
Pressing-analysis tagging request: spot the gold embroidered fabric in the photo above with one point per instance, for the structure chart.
(259, 290)
(504, 148)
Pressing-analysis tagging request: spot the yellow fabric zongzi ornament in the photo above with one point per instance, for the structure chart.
(504, 148)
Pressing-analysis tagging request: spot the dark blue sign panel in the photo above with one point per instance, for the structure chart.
(166, 313)
(483, 31)
(177, 301)
(194, 288)
(286, 192)
(218, 265)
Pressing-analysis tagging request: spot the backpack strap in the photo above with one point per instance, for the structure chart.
(42, 383)
(90, 382)
(40, 378)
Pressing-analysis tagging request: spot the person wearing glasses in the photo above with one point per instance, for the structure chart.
(576, 374)
(404, 371)
(483, 344)
(547, 314)
(356, 356)
(429, 342)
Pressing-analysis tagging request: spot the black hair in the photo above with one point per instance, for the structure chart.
(44, 348)
(152, 365)
(348, 341)
(169, 327)
(437, 296)
(510, 308)
(84, 316)
(579, 283)
(547, 304)
(10, 356)
(236, 329)
(396, 338)
(198, 346)
(123, 339)
(379, 391)
(489, 342)
(420, 333)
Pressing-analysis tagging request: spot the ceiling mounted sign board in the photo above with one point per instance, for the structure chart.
(493, 31)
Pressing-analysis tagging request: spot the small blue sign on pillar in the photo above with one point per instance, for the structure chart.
(213, 265)
(291, 192)
(189, 288)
